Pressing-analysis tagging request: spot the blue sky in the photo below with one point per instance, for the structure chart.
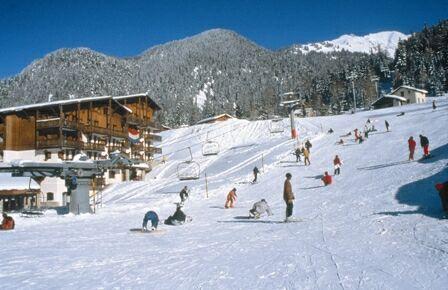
(31, 29)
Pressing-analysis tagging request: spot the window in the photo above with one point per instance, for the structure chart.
(47, 155)
(50, 196)
(111, 174)
(402, 94)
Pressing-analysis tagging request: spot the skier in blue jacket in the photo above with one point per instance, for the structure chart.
(153, 217)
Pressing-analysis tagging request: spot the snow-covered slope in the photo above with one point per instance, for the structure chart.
(386, 41)
(377, 227)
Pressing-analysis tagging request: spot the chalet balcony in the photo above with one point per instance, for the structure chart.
(104, 131)
(133, 120)
(153, 137)
(137, 147)
(120, 148)
(94, 146)
(55, 123)
(54, 143)
(153, 150)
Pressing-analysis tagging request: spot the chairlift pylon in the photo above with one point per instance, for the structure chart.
(188, 170)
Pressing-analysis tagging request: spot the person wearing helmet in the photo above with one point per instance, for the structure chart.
(260, 208)
(288, 196)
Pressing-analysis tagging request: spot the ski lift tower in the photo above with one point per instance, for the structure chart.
(79, 173)
(291, 101)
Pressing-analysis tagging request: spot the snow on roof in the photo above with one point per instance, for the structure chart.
(79, 100)
(390, 97)
(7, 182)
(215, 118)
(409, 88)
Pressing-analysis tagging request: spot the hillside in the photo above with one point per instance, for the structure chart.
(210, 73)
(378, 226)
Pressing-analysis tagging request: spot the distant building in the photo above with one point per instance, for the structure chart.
(412, 95)
(95, 126)
(219, 118)
(17, 193)
(386, 101)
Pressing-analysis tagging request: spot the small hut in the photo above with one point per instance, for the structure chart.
(218, 118)
(17, 193)
(386, 101)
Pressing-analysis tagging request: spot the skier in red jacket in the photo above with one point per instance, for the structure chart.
(412, 144)
(337, 165)
(327, 179)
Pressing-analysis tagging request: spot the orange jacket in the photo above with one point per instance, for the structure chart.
(231, 195)
(327, 179)
(8, 223)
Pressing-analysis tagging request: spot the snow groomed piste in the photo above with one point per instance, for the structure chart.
(378, 226)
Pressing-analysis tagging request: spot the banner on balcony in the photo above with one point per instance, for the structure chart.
(134, 135)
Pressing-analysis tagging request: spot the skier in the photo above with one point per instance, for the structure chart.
(184, 194)
(306, 154)
(434, 105)
(231, 197)
(297, 154)
(412, 144)
(442, 188)
(7, 223)
(356, 134)
(256, 171)
(330, 131)
(260, 208)
(337, 165)
(153, 217)
(288, 197)
(308, 145)
(326, 179)
(424, 142)
(368, 121)
(177, 218)
(387, 125)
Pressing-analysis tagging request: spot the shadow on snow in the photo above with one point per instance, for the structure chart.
(421, 193)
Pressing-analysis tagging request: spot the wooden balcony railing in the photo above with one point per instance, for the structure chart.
(54, 143)
(55, 124)
(94, 146)
(153, 150)
(153, 137)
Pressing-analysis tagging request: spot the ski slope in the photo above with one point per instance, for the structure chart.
(378, 226)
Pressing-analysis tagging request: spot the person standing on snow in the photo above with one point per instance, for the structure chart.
(442, 188)
(326, 179)
(150, 216)
(297, 153)
(288, 196)
(356, 134)
(434, 105)
(231, 197)
(424, 142)
(306, 155)
(183, 194)
(308, 145)
(256, 171)
(411, 144)
(387, 125)
(260, 208)
(337, 165)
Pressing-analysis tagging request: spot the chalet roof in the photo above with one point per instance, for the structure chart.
(17, 183)
(398, 98)
(215, 118)
(152, 103)
(409, 88)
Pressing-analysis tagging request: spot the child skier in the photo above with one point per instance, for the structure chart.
(256, 171)
(183, 194)
(326, 179)
(337, 165)
(424, 142)
(7, 223)
(306, 154)
(260, 208)
(150, 216)
(231, 197)
(411, 144)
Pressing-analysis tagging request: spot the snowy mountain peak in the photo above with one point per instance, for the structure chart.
(370, 43)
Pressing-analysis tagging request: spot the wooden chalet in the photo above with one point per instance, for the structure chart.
(219, 118)
(95, 126)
